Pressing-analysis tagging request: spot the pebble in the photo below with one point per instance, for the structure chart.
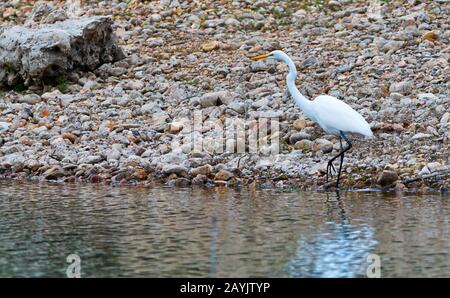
(215, 98)
(70, 136)
(210, 46)
(113, 154)
(175, 169)
(204, 170)
(421, 135)
(406, 101)
(295, 137)
(4, 126)
(324, 145)
(304, 145)
(175, 127)
(53, 173)
(29, 99)
(431, 36)
(223, 175)
(404, 87)
(155, 18)
(300, 124)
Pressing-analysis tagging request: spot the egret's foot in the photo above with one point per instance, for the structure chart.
(330, 170)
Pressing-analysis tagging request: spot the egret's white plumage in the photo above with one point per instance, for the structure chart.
(333, 115)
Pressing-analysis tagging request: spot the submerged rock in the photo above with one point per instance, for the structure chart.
(387, 178)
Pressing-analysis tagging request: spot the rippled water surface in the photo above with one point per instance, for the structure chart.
(166, 232)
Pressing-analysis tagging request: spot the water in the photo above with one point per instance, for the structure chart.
(166, 232)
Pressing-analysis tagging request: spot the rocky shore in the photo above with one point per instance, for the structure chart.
(119, 123)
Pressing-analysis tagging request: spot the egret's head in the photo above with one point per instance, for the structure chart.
(277, 55)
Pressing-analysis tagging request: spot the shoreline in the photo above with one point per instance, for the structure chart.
(292, 185)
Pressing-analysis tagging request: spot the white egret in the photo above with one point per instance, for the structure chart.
(333, 115)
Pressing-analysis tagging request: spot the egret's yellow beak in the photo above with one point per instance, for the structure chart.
(259, 57)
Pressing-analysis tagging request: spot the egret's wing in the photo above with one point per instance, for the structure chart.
(334, 115)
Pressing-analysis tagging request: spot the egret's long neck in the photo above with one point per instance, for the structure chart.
(301, 101)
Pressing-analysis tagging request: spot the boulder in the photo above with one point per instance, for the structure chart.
(387, 178)
(33, 55)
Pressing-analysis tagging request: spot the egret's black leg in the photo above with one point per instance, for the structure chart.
(330, 169)
(330, 163)
(340, 167)
(342, 155)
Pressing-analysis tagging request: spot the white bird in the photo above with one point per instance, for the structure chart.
(333, 115)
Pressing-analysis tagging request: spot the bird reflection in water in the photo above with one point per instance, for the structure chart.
(340, 249)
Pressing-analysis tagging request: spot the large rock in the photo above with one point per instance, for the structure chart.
(387, 178)
(52, 50)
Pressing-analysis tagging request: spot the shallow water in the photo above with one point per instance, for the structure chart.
(166, 232)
